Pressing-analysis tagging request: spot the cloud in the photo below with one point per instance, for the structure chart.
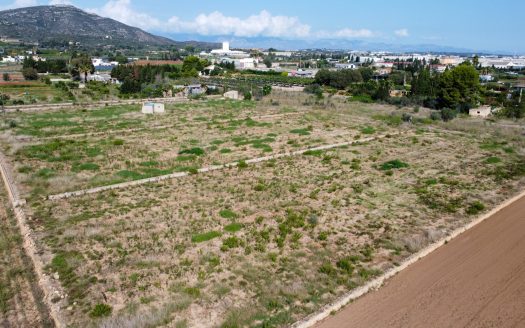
(216, 23)
(122, 11)
(401, 33)
(60, 2)
(19, 4)
(262, 24)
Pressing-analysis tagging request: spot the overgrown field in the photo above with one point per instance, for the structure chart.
(21, 302)
(64, 151)
(255, 245)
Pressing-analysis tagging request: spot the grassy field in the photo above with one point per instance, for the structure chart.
(259, 245)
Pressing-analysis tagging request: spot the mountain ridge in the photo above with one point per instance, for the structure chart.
(61, 24)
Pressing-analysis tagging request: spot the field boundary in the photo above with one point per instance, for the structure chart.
(50, 288)
(214, 168)
(98, 104)
(352, 295)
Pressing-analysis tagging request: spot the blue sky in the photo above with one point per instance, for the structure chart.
(474, 24)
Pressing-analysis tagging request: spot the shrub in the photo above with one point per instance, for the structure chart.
(230, 242)
(101, 310)
(435, 116)
(199, 238)
(394, 164)
(368, 130)
(193, 151)
(448, 114)
(493, 160)
(345, 265)
(228, 214)
(118, 142)
(242, 164)
(327, 268)
(247, 95)
(234, 227)
(475, 208)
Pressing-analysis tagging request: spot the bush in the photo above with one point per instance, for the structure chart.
(101, 310)
(199, 238)
(435, 116)
(230, 242)
(118, 142)
(193, 151)
(247, 95)
(30, 74)
(448, 114)
(394, 164)
(475, 208)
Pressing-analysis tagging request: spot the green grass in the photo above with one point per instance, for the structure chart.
(193, 151)
(233, 227)
(301, 132)
(368, 130)
(101, 310)
(394, 164)
(199, 238)
(85, 167)
(228, 214)
(493, 160)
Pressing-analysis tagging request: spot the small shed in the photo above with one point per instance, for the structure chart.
(152, 108)
(234, 94)
(484, 111)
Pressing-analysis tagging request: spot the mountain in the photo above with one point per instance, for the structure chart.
(57, 25)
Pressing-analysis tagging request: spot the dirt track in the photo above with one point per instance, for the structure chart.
(476, 280)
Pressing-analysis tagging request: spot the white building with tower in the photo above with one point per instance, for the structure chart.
(227, 52)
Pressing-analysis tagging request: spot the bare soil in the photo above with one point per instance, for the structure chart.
(476, 280)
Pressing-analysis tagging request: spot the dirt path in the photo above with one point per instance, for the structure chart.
(476, 280)
(20, 296)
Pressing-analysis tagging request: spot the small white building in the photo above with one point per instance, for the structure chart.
(483, 111)
(234, 94)
(152, 108)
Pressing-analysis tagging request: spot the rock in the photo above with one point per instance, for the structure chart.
(56, 276)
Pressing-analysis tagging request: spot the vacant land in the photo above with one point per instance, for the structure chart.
(477, 280)
(254, 245)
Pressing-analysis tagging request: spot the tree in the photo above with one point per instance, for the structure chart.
(30, 73)
(268, 62)
(422, 84)
(366, 73)
(383, 91)
(193, 65)
(459, 87)
(82, 65)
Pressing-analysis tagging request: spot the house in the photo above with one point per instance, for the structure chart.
(483, 111)
(152, 108)
(246, 63)
(346, 65)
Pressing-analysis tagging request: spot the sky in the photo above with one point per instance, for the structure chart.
(473, 24)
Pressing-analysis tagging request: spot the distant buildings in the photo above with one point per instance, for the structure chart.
(226, 52)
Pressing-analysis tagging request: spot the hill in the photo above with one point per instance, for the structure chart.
(59, 25)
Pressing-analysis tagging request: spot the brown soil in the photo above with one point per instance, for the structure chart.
(476, 280)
